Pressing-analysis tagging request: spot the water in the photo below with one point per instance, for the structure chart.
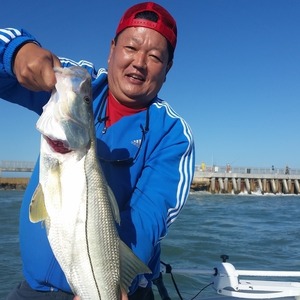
(257, 232)
(10, 262)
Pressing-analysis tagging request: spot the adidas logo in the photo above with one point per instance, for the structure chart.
(136, 143)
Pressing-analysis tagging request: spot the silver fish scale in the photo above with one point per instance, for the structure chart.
(104, 254)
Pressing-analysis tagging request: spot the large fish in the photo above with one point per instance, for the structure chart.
(73, 197)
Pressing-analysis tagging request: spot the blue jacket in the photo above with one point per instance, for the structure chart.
(150, 192)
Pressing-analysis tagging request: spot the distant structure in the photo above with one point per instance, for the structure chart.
(236, 180)
(213, 179)
(16, 166)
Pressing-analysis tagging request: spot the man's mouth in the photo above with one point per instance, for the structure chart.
(136, 77)
(57, 146)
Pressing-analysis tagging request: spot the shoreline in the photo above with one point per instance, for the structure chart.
(13, 183)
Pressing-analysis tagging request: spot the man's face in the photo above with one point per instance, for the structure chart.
(137, 66)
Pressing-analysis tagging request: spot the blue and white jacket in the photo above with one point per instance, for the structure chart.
(150, 192)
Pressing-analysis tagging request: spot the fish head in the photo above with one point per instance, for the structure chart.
(67, 119)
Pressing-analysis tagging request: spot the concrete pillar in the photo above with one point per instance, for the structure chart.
(239, 184)
(297, 188)
(213, 185)
(273, 186)
(247, 183)
(285, 188)
(260, 186)
(234, 184)
(226, 185)
(221, 185)
(289, 183)
(265, 185)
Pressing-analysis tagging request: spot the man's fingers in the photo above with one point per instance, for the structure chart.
(33, 67)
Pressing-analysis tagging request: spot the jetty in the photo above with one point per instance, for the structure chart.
(13, 183)
(236, 180)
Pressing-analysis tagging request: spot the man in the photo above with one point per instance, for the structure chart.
(145, 149)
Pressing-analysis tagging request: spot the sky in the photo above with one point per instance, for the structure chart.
(235, 77)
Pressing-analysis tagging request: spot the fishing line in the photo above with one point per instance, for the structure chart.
(202, 290)
(169, 271)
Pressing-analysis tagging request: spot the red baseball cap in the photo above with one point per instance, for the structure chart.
(165, 25)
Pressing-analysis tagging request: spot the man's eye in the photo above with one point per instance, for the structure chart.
(130, 48)
(156, 58)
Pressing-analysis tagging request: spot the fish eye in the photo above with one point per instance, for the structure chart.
(87, 99)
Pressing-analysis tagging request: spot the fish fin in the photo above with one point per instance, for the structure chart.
(37, 208)
(130, 267)
(114, 205)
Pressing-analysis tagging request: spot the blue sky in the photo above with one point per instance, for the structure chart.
(235, 78)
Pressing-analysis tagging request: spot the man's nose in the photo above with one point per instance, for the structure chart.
(140, 60)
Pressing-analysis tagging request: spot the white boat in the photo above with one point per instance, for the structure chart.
(230, 283)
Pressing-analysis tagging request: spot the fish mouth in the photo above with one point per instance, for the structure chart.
(57, 145)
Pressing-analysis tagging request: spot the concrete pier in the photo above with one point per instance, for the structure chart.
(246, 180)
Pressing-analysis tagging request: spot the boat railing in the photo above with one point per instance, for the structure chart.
(246, 170)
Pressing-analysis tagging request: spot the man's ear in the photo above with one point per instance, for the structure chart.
(169, 66)
(112, 47)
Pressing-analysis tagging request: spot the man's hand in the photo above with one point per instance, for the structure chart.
(33, 67)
